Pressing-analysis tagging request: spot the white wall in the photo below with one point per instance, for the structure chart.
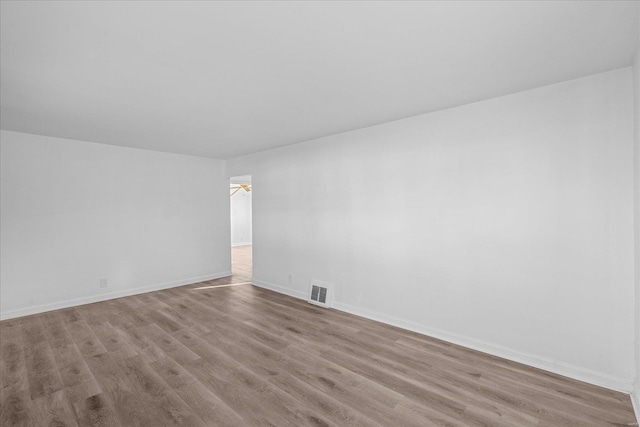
(241, 218)
(75, 212)
(636, 79)
(505, 225)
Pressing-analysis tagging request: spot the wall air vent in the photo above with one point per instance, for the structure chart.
(320, 293)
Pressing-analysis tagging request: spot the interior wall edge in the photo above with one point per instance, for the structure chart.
(635, 400)
(635, 396)
(36, 309)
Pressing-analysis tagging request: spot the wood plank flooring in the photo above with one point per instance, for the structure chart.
(241, 263)
(245, 356)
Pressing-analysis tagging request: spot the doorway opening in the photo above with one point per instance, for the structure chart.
(241, 193)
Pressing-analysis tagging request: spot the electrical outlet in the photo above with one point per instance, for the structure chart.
(290, 278)
(103, 283)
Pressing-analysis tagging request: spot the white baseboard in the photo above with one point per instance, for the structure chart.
(280, 289)
(235, 245)
(26, 311)
(635, 400)
(624, 385)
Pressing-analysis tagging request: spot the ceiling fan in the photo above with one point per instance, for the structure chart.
(238, 187)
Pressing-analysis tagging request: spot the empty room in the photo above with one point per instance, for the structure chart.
(320, 213)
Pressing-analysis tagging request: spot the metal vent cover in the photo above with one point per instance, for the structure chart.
(320, 293)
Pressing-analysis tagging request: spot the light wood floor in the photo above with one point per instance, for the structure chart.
(242, 263)
(244, 356)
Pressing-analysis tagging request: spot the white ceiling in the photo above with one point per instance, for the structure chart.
(222, 79)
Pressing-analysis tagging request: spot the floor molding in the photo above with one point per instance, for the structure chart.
(220, 286)
(556, 367)
(280, 289)
(560, 368)
(176, 349)
(26, 311)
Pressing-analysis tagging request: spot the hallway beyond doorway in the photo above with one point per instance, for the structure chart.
(241, 263)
